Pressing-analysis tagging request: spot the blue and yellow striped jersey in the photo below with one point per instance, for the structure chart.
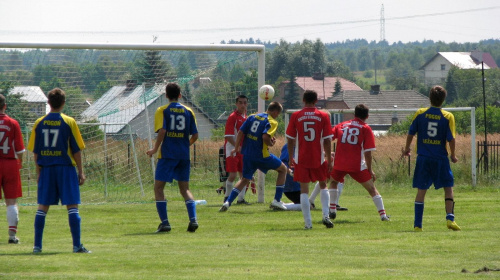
(55, 137)
(179, 122)
(434, 127)
(253, 128)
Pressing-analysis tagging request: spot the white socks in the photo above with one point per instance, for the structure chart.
(379, 204)
(229, 188)
(293, 207)
(12, 219)
(306, 209)
(325, 201)
(334, 197)
(314, 193)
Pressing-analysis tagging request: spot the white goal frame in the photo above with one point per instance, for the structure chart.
(472, 111)
(260, 49)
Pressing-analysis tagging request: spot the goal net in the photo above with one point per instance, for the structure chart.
(113, 92)
(391, 126)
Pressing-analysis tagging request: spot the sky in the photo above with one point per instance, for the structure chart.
(212, 21)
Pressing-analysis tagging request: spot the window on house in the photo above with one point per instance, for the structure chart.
(443, 67)
(337, 118)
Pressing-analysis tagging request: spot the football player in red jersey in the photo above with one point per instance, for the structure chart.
(355, 143)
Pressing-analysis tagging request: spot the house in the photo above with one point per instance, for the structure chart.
(376, 99)
(37, 101)
(324, 86)
(135, 105)
(437, 68)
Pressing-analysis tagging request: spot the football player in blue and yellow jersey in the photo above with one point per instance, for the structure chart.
(434, 128)
(177, 130)
(257, 134)
(56, 143)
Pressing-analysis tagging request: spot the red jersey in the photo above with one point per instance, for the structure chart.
(11, 139)
(309, 127)
(355, 138)
(233, 124)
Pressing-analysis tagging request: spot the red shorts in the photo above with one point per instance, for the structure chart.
(10, 179)
(306, 175)
(359, 176)
(235, 163)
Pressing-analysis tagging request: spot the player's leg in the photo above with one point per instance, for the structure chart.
(10, 182)
(333, 190)
(47, 195)
(69, 191)
(40, 215)
(325, 202)
(305, 205)
(314, 194)
(12, 219)
(419, 209)
(294, 196)
(229, 184)
(369, 185)
(190, 205)
(280, 187)
(340, 189)
(163, 174)
(450, 209)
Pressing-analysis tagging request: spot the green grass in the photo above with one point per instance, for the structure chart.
(253, 242)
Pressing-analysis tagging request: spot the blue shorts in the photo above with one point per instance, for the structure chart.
(250, 165)
(169, 169)
(431, 170)
(58, 182)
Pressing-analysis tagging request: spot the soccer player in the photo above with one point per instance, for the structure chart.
(11, 160)
(315, 192)
(292, 188)
(174, 124)
(309, 136)
(234, 163)
(56, 144)
(434, 127)
(355, 143)
(257, 134)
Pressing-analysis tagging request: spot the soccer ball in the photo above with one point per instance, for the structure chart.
(266, 92)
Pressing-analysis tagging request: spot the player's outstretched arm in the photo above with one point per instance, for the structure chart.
(368, 160)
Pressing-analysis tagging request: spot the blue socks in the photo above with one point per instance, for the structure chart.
(191, 208)
(74, 225)
(39, 226)
(233, 195)
(161, 208)
(279, 192)
(419, 213)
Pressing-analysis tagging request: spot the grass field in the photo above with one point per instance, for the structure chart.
(255, 242)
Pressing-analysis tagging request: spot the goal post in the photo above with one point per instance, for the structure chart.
(117, 88)
(471, 110)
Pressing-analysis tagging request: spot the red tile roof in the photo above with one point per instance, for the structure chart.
(326, 87)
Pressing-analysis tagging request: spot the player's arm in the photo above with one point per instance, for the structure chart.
(159, 140)
(268, 140)
(327, 146)
(193, 139)
(407, 150)
(38, 168)
(229, 131)
(291, 148)
(368, 160)
(453, 157)
(78, 160)
(20, 159)
(237, 144)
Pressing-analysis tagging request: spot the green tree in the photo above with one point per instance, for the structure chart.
(183, 67)
(151, 68)
(291, 94)
(338, 87)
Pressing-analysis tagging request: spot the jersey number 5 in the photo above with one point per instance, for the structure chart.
(310, 130)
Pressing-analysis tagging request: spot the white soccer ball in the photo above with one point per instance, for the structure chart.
(266, 92)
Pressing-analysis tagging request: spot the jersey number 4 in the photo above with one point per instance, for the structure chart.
(4, 143)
